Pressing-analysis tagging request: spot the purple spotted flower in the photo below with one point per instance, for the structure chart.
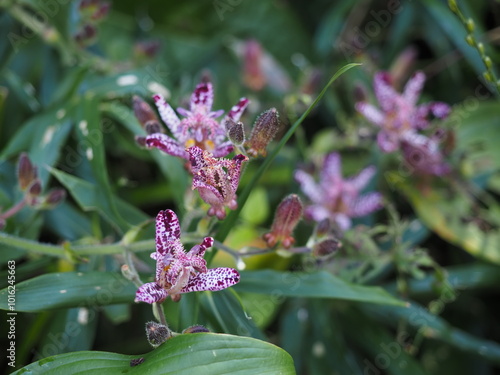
(199, 126)
(216, 179)
(336, 198)
(179, 272)
(400, 119)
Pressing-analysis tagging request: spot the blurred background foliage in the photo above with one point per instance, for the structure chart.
(65, 100)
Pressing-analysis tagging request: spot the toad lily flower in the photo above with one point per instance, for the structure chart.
(399, 117)
(336, 198)
(179, 272)
(216, 179)
(198, 127)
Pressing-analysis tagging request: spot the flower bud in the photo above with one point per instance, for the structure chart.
(323, 227)
(453, 6)
(288, 214)
(54, 197)
(26, 172)
(152, 127)
(35, 188)
(196, 329)
(33, 192)
(470, 40)
(488, 62)
(480, 48)
(470, 25)
(264, 130)
(326, 247)
(157, 333)
(235, 132)
(143, 112)
(488, 77)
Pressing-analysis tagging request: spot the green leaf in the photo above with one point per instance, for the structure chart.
(436, 328)
(91, 131)
(207, 353)
(450, 218)
(43, 136)
(226, 314)
(88, 197)
(477, 132)
(311, 285)
(70, 289)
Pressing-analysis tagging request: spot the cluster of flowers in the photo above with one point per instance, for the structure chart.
(204, 143)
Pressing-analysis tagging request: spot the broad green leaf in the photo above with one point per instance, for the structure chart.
(449, 217)
(43, 136)
(68, 86)
(23, 90)
(226, 314)
(331, 352)
(311, 285)
(207, 353)
(70, 289)
(477, 131)
(88, 197)
(91, 132)
(142, 81)
(67, 222)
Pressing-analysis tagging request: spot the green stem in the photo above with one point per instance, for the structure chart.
(158, 307)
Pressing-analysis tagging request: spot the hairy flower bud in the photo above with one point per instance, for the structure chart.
(143, 112)
(157, 333)
(264, 130)
(35, 188)
(196, 329)
(26, 172)
(326, 247)
(235, 132)
(152, 127)
(54, 197)
(288, 214)
(323, 227)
